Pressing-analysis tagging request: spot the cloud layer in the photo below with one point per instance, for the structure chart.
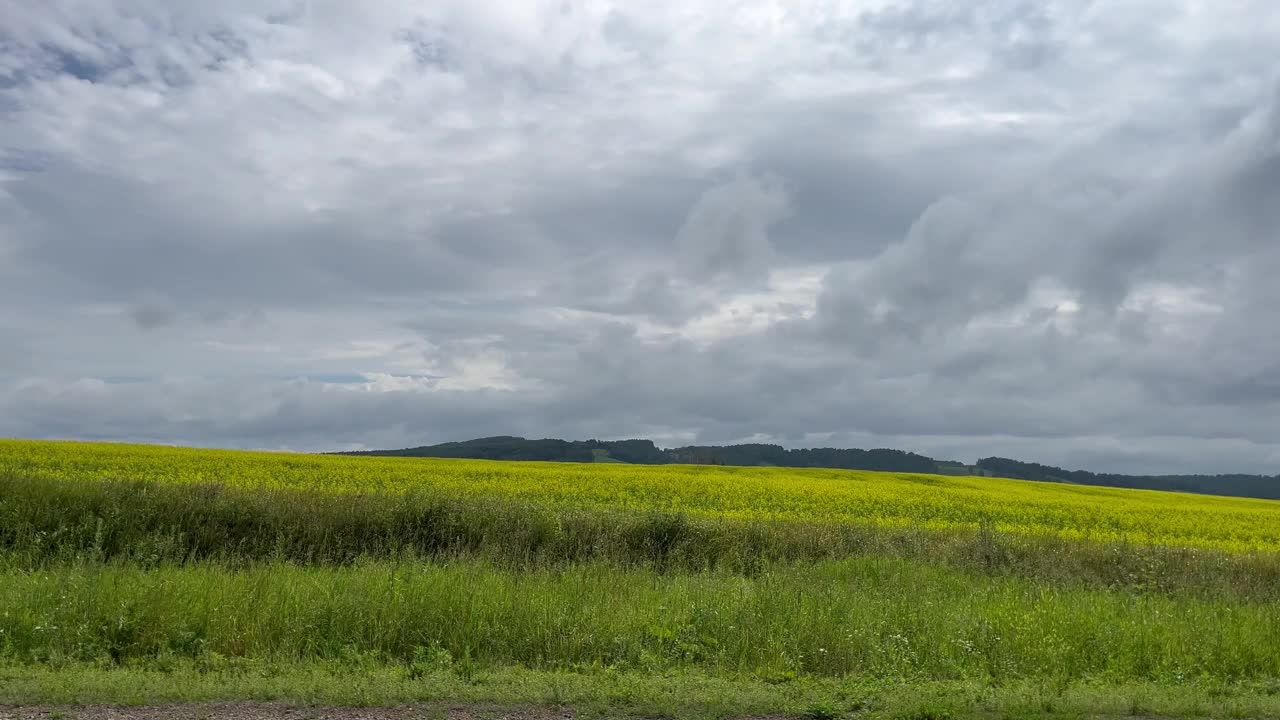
(1043, 229)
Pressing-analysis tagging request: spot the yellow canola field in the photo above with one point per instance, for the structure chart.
(812, 495)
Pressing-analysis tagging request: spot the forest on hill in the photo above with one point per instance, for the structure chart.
(1238, 485)
(645, 452)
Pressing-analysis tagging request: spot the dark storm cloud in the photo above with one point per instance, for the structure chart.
(1037, 229)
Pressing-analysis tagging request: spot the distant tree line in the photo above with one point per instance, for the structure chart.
(506, 447)
(1258, 486)
(760, 454)
(644, 452)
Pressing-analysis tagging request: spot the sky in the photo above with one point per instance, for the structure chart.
(1047, 230)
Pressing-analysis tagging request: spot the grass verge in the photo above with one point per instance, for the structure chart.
(867, 617)
(685, 694)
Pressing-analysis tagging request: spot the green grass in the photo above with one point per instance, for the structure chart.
(602, 456)
(870, 617)
(689, 694)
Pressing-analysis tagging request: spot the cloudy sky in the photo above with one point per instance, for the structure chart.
(1045, 229)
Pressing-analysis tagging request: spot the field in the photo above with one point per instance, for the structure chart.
(825, 496)
(136, 573)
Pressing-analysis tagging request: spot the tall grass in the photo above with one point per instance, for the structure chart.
(49, 521)
(870, 617)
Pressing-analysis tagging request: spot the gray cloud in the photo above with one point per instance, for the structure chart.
(727, 231)
(1039, 229)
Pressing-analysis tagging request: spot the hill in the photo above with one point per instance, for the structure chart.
(1255, 486)
(645, 452)
(506, 447)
